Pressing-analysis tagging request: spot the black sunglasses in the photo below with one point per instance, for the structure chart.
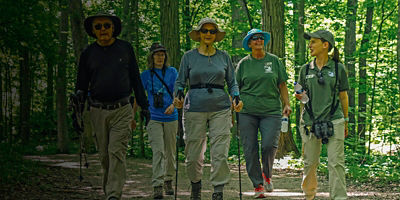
(254, 38)
(212, 31)
(105, 25)
(320, 78)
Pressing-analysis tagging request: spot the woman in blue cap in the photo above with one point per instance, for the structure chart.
(261, 77)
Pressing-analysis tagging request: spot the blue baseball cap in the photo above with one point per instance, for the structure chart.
(250, 34)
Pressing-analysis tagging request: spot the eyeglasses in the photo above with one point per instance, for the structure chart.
(254, 38)
(105, 25)
(212, 31)
(320, 78)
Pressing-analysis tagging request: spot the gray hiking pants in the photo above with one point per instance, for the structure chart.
(270, 129)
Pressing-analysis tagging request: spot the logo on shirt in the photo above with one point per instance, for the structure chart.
(268, 67)
(331, 74)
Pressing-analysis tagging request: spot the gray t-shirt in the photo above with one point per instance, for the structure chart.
(200, 69)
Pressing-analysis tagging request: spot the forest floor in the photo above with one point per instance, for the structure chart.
(60, 181)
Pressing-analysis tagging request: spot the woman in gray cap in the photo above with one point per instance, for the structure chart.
(207, 106)
(324, 120)
(159, 82)
(262, 79)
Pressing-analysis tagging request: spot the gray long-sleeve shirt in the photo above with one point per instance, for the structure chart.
(199, 69)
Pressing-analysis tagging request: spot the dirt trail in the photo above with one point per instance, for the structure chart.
(61, 182)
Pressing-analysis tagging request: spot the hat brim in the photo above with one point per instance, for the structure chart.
(195, 35)
(159, 49)
(116, 21)
(246, 39)
(308, 36)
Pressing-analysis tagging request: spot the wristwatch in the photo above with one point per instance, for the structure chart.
(346, 119)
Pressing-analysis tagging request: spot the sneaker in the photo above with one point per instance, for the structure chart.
(196, 191)
(259, 192)
(158, 192)
(218, 196)
(168, 188)
(269, 187)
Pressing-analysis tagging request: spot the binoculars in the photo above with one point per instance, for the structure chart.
(323, 130)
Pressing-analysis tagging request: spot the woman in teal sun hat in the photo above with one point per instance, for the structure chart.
(261, 77)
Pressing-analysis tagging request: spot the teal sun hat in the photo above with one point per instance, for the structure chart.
(250, 34)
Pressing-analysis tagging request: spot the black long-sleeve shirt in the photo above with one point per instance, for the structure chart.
(110, 73)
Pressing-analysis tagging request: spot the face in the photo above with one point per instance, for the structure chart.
(317, 47)
(256, 42)
(208, 33)
(103, 28)
(159, 58)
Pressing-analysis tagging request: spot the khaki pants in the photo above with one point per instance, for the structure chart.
(111, 132)
(335, 149)
(162, 138)
(195, 128)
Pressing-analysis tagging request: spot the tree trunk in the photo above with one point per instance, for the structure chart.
(170, 30)
(300, 54)
(362, 86)
(24, 95)
(273, 22)
(50, 89)
(61, 84)
(398, 43)
(2, 121)
(349, 49)
(238, 19)
(188, 25)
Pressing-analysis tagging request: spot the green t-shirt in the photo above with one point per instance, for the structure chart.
(321, 95)
(258, 81)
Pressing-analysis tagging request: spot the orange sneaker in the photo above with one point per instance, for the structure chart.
(259, 192)
(268, 183)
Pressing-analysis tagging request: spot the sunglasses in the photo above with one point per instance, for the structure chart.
(105, 25)
(212, 31)
(320, 78)
(254, 38)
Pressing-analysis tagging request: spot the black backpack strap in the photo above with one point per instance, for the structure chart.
(162, 81)
(335, 103)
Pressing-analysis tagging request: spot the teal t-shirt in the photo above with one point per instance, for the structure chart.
(321, 95)
(258, 81)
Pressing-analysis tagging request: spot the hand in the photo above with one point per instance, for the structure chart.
(170, 109)
(237, 104)
(346, 129)
(145, 116)
(299, 96)
(133, 124)
(286, 110)
(178, 103)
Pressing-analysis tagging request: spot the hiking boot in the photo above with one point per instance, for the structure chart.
(218, 196)
(268, 183)
(259, 192)
(168, 188)
(158, 192)
(196, 191)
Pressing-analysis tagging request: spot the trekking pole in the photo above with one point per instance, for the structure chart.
(238, 142)
(180, 96)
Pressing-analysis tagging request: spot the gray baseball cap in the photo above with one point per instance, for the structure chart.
(321, 34)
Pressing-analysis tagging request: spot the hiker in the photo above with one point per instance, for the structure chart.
(107, 73)
(207, 106)
(325, 117)
(261, 77)
(159, 82)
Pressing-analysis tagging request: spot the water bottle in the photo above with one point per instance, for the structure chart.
(299, 89)
(285, 124)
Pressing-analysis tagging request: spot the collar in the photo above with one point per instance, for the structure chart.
(328, 64)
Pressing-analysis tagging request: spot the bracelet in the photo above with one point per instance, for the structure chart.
(346, 119)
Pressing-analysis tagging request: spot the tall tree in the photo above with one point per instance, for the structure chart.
(362, 85)
(79, 38)
(170, 30)
(25, 94)
(273, 22)
(299, 52)
(61, 83)
(349, 50)
(238, 18)
(398, 43)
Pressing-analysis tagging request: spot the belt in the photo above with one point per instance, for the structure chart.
(109, 105)
(209, 86)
